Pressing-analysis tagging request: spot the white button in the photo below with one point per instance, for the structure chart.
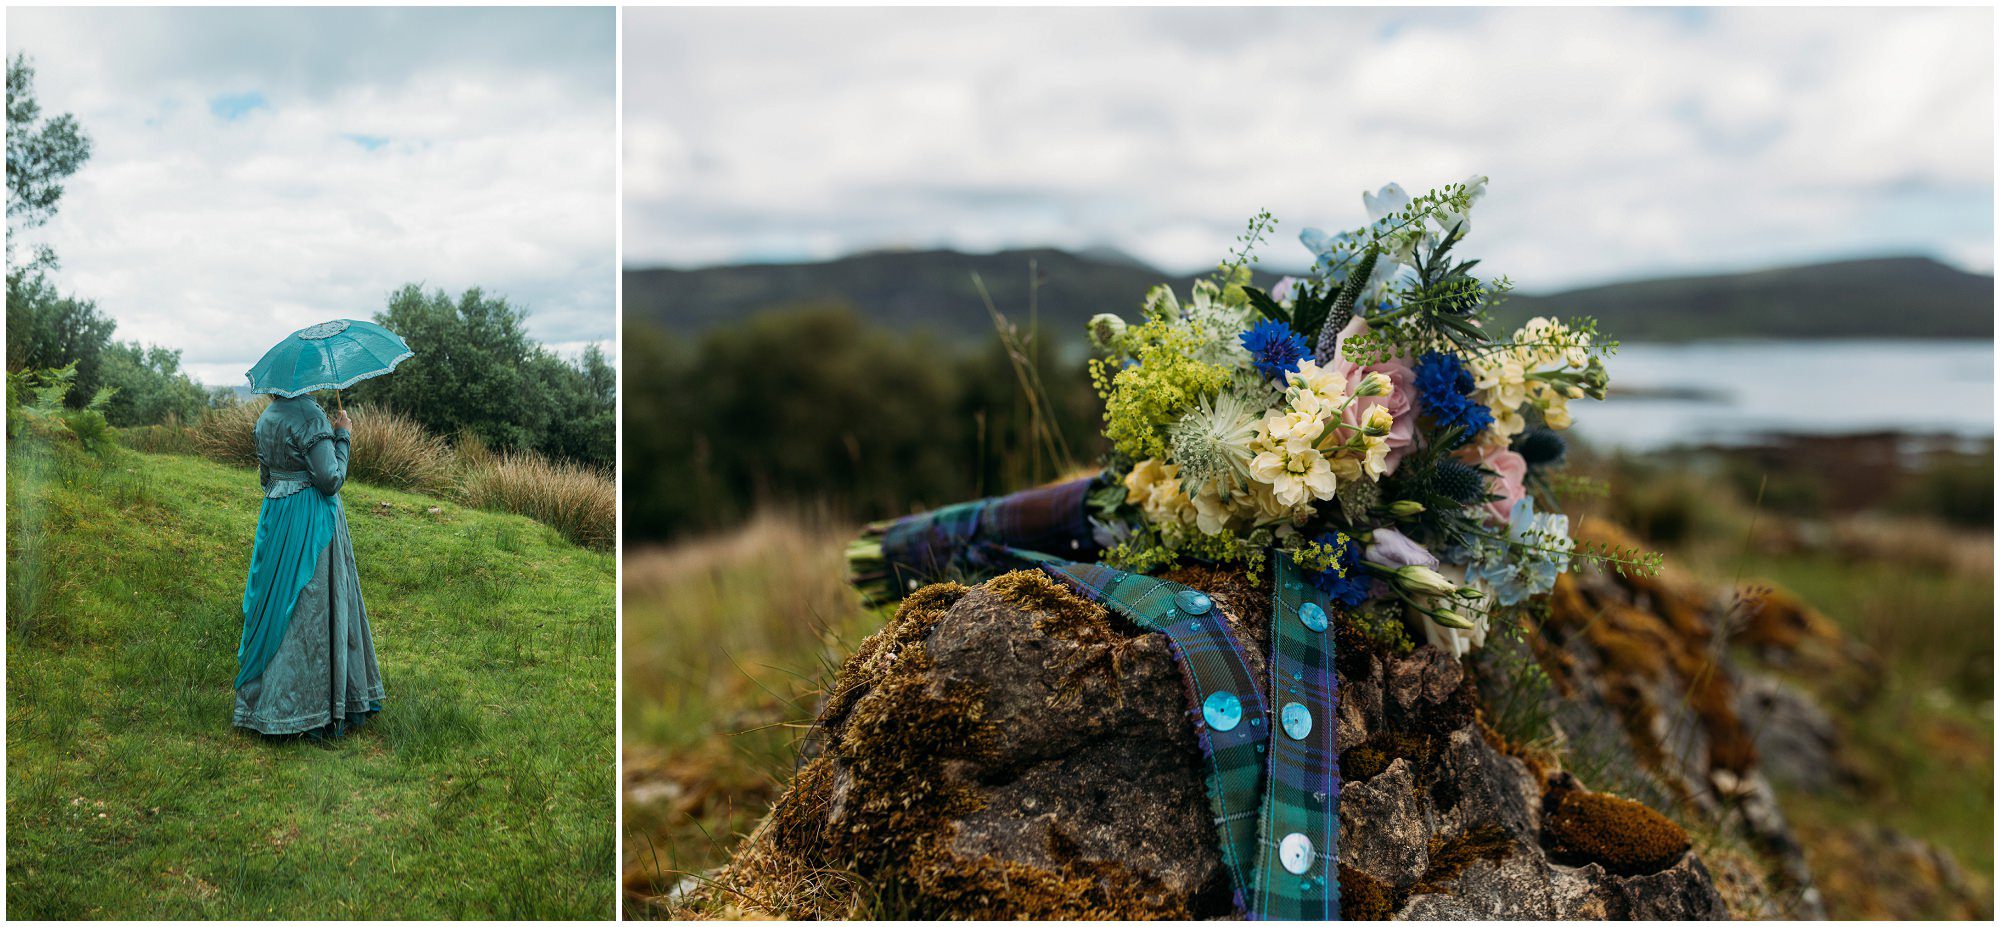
(1296, 852)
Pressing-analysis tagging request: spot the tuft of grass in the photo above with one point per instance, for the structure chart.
(483, 790)
(390, 450)
(227, 434)
(579, 502)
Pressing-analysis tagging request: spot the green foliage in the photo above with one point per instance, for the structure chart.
(41, 154)
(476, 370)
(148, 386)
(46, 330)
(813, 406)
(37, 410)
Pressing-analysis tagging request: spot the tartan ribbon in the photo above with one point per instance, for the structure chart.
(1283, 860)
(972, 537)
(1273, 776)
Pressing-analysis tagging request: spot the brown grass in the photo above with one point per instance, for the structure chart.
(391, 450)
(579, 502)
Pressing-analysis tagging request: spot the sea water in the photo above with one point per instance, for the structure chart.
(1734, 392)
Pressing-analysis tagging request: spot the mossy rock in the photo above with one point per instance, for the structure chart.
(1623, 836)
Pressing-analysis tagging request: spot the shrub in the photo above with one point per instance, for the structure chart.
(579, 502)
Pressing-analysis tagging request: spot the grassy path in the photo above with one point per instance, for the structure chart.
(484, 790)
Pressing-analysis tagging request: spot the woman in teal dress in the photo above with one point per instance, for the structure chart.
(306, 663)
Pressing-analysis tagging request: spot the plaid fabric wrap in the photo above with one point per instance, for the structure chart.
(1298, 876)
(1216, 674)
(972, 538)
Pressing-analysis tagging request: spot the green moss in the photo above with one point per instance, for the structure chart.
(1623, 836)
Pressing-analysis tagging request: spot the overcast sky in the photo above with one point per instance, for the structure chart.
(1620, 142)
(258, 170)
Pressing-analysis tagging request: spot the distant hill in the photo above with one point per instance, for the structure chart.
(1879, 297)
(904, 289)
(1894, 297)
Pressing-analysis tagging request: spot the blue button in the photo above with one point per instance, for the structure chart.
(1192, 602)
(1222, 711)
(1312, 616)
(1298, 720)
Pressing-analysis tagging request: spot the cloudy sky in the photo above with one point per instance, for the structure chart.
(1620, 142)
(258, 170)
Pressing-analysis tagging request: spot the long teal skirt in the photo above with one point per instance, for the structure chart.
(306, 666)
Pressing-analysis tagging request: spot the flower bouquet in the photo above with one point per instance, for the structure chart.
(1360, 436)
(1361, 422)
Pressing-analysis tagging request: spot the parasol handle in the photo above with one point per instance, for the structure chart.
(336, 401)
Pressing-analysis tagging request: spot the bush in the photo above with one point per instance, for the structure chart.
(149, 385)
(579, 502)
(37, 410)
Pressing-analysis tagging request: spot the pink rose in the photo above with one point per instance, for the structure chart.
(1508, 483)
(1399, 401)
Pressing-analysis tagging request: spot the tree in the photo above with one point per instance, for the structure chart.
(149, 386)
(584, 426)
(41, 154)
(46, 330)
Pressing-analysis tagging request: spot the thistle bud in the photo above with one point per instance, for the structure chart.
(1105, 328)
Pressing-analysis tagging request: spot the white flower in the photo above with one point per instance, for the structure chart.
(1296, 471)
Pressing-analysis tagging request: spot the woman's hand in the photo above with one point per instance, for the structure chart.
(340, 420)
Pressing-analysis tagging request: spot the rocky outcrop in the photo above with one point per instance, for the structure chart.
(1013, 751)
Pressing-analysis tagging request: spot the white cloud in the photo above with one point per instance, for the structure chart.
(1621, 141)
(451, 147)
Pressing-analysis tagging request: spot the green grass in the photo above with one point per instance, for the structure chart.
(483, 790)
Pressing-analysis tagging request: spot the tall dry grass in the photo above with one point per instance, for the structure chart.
(392, 450)
(579, 502)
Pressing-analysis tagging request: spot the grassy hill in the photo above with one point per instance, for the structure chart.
(483, 790)
(1882, 297)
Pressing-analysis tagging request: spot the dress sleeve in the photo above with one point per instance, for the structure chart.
(326, 460)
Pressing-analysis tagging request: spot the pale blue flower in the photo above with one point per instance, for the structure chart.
(1529, 566)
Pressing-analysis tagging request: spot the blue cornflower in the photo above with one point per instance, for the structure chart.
(1275, 349)
(1445, 388)
(1344, 582)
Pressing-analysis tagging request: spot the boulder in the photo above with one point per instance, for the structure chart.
(1011, 750)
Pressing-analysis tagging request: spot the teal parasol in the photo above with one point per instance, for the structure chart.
(331, 355)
